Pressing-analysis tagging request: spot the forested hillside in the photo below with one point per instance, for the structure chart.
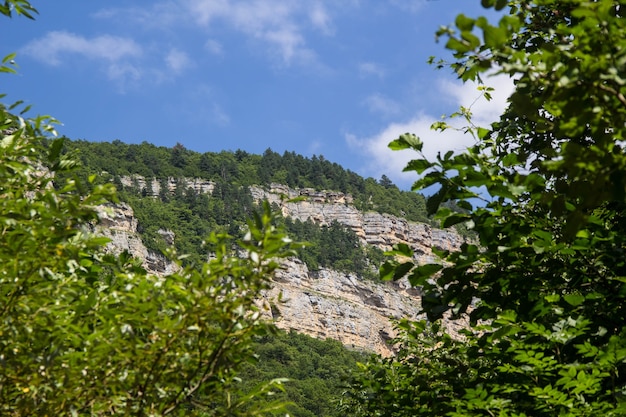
(319, 371)
(318, 368)
(192, 214)
(242, 169)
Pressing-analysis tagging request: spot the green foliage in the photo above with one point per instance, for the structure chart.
(243, 169)
(18, 7)
(334, 246)
(425, 378)
(88, 333)
(84, 333)
(546, 279)
(191, 215)
(317, 371)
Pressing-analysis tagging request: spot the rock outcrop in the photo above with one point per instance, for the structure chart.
(381, 230)
(324, 207)
(322, 303)
(328, 303)
(118, 223)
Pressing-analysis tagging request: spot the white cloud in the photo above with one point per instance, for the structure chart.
(467, 95)
(320, 18)
(280, 25)
(218, 115)
(381, 160)
(123, 73)
(177, 61)
(277, 23)
(213, 46)
(249, 16)
(289, 42)
(54, 45)
(158, 15)
(379, 104)
(122, 59)
(207, 109)
(368, 69)
(314, 147)
(411, 6)
(119, 55)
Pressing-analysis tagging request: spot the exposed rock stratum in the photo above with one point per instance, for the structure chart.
(322, 303)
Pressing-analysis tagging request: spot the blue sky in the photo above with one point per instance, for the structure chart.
(338, 78)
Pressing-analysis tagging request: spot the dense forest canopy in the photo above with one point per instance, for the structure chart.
(240, 168)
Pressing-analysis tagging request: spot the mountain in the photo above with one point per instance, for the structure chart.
(323, 302)
(172, 198)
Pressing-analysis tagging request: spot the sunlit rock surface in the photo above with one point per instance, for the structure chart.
(323, 303)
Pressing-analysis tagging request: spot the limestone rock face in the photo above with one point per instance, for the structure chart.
(152, 186)
(323, 303)
(330, 304)
(381, 230)
(117, 222)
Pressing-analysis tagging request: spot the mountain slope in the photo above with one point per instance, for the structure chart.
(323, 303)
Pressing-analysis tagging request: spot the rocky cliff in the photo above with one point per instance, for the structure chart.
(118, 223)
(381, 230)
(324, 207)
(322, 303)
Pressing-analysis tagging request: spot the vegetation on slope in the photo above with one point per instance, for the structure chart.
(84, 332)
(545, 288)
(191, 215)
(318, 371)
(243, 169)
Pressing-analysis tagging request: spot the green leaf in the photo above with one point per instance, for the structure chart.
(501, 4)
(482, 133)
(418, 165)
(387, 270)
(392, 270)
(574, 299)
(9, 57)
(434, 201)
(402, 269)
(455, 219)
(401, 249)
(465, 205)
(421, 273)
(471, 39)
(457, 45)
(14, 105)
(464, 23)
(494, 36)
(406, 141)
(55, 149)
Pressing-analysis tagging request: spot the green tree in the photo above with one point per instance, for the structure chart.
(178, 158)
(544, 288)
(83, 332)
(385, 182)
